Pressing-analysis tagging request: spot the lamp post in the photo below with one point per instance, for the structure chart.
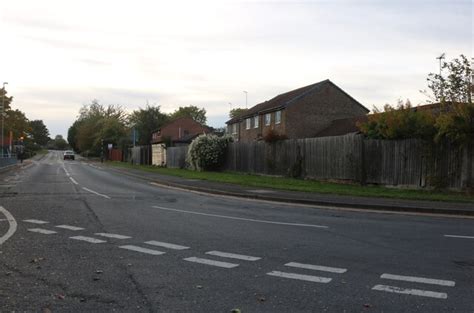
(3, 113)
(246, 94)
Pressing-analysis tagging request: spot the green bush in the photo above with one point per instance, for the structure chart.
(206, 152)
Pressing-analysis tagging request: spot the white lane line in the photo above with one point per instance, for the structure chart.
(233, 256)
(87, 239)
(414, 292)
(75, 228)
(166, 245)
(315, 279)
(33, 221)
(42, 231)
(116, 236)
(422, 280)
(142, 250)
(241, 218)
(73, 181)
(211, 262)
(96, 193)
(459, 236)
(317, 267)
(11, 227)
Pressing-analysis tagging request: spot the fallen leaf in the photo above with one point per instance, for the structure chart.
(60, 296)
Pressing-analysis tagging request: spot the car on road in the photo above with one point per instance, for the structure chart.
(69, 155)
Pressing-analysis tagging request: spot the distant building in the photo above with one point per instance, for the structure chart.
(300, 113)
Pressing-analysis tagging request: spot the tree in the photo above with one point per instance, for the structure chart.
(39, 132)
(457, 125)
(145, 121)
(5, 100)
(453, 84)
(197, 114)
(17, 123)
(59, 143)
(237, 112)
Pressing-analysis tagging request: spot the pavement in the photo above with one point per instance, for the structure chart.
(317, 199)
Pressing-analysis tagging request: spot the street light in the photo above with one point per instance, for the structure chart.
(246, 94)
(3, 112)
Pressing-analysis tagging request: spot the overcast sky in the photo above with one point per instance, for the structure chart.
(58, 55)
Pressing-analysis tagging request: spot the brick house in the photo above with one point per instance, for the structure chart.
(300, 113)
(180, 131)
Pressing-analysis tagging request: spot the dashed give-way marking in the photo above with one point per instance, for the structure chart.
(211, 262)
(69, 227)
(166, 245)
(233, 256)
(459, 236)
(12, 225)
(317, 267)
(422, 280)
(314, 279)
(33, 221)
(88, 239)
(142, 250)
(413, 292)
(96, 193)
(42, 231)
(116, 236)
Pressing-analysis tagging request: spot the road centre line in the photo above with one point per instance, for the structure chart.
(234, 256)
(33, 221)
(142, 250)
(96, 193)
(315, 279)
(211, 262)
(317, 267)
(414, 292)
(11, 227)
(422, 280)
(42, 231)
(116, 236)
(166, 245)
(87, 239)
(459, 236)
(69, 227)
(241, 218)
(73, 181)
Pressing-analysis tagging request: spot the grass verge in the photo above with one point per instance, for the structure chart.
(285, 183)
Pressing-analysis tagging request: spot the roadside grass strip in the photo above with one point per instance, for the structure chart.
(166, 245)
(211, 262)
(233, 256)
(413, 292)
(69, 227)
(459, 236)
(87, 239)
(422, 280)
(115, 236)
(33, 221)
(310, 278)
(317, 267)
(142, 250)
(42, 231)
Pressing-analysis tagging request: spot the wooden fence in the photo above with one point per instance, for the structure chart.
(176, 156)
(354, 158)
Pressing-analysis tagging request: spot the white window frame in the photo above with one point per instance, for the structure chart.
(268, 119)
(255, 121)
(248, 123)
(277, 117)
(234, 129)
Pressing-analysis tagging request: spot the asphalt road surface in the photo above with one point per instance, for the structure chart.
(75, 237)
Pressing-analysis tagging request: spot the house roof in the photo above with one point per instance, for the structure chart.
(285, 99)
(342, 126)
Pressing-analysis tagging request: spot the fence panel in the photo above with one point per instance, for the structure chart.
(176, 156)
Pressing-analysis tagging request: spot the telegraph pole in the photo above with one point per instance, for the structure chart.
(3, 114)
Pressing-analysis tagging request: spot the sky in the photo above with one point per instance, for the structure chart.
(60, 55)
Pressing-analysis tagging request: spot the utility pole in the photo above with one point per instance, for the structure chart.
(246, 94)
(3, 113)
(441, 58)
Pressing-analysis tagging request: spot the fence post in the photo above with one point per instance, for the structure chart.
(362, 174)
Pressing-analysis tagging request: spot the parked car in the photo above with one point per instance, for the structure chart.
(69, 155)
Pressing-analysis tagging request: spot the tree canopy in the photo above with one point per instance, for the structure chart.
(39, 132)
(197, 114)
(236, 112)
(147, 120)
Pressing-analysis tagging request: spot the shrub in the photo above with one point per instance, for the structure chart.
(206, 152)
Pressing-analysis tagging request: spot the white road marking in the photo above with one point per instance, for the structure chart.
(142, 250)
(233, 256)
(73, 181)
(241, 218)
(422, 280)
(33, 221)
(116, 236)
(315, 279)
(87, 239)
(96, 193)
(459, 236)
(166, 245)
(414, 292)
(211, 262)
(12, 225)
(317, 267)
(42, 231)
(69, 227)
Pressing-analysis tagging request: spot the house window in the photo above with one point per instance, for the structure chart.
(277, 117)
(247, 123)
(268, 119)
(234, 129)
(255, 122)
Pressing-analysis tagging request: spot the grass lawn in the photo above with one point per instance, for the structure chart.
(293, 184)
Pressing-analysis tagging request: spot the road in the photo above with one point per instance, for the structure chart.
(77, 237)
